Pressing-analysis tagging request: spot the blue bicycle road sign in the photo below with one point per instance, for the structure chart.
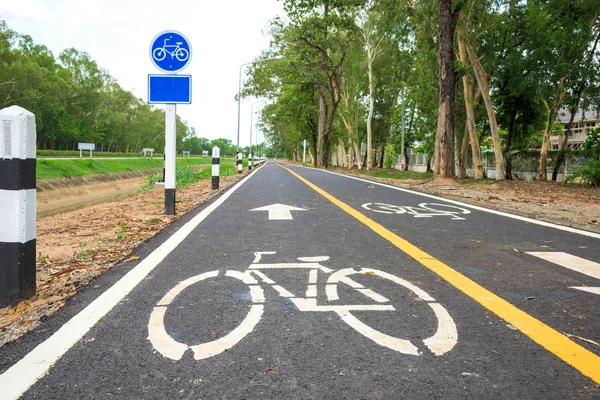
(170, 51)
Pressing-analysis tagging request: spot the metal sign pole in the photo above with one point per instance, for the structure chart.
(170, 154)
(304, 157)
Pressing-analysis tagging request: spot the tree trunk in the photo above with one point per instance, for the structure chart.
(560, 158)
(357, 156)
(575, 106)
(552, 112)
(402, 131)
(464, 152)
(322, 123)
(509, 137)
(482, 81)
(444, 144)
(370, 115)
(470, 111)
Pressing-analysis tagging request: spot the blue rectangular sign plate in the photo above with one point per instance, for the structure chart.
(169, 89)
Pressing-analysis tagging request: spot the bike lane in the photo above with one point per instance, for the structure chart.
(294, 354)
(493, 250)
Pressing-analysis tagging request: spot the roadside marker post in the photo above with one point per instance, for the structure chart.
(170, 52)
(216, 160)
(250, 162)
(239, 162)
(17, 205)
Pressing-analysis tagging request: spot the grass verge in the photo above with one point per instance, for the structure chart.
(50, 169)
(186, 175)
(394, 174)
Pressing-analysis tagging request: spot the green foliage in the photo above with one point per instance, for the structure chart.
(592, 142)
(589, 172)
(390, 155)
(42, 257)
(75, 100)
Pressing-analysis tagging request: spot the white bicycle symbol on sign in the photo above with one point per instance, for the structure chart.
(442, 341)
(178, 52)
(425, 210)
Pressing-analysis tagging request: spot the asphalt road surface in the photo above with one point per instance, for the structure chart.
(303, 284)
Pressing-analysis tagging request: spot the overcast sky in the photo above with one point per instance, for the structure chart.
(117, 34)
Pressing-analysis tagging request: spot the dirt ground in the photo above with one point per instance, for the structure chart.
(75, 247)
(570, 205)
(55, 196)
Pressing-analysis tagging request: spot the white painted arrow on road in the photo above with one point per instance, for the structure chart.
(279, 211)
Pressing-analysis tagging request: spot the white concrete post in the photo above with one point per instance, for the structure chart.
(17, 205)
(216, 160)
(170, 155)
(239, 162)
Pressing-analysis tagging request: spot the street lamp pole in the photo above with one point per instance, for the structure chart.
(250, 166)
(240, 91)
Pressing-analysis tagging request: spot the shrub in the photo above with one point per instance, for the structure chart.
(390, 155)
(589, 172)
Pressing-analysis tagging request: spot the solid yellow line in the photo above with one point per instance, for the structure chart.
(560, 345)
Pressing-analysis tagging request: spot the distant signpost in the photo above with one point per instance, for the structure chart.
(148, 150)
(85, 146)
(305, 145)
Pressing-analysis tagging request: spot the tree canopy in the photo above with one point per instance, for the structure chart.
(357, 76)
(75, 100)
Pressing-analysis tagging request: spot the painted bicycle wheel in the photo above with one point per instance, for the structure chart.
(165, 344)
(441, 342)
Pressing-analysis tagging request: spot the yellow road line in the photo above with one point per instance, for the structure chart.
(558, 344)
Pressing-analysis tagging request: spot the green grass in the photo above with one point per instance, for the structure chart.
(50, 169)
(395, 174)
(185, 176)
(75, 153)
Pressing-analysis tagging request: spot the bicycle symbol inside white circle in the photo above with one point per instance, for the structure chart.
(178, 52)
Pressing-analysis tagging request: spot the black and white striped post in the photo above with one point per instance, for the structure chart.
(239, 162)
(250, 162)
(216, 160)
(17, 205)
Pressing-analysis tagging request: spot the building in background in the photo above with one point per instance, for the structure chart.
(583, 122)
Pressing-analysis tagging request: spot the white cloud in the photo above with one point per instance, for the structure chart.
(30, 9)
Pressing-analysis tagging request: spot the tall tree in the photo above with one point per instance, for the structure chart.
(444, 145)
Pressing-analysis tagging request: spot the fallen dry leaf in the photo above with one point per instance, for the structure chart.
(582, 338)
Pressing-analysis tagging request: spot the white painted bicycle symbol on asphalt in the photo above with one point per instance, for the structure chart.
(424, 210)
(178, 52)
(442, 341)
